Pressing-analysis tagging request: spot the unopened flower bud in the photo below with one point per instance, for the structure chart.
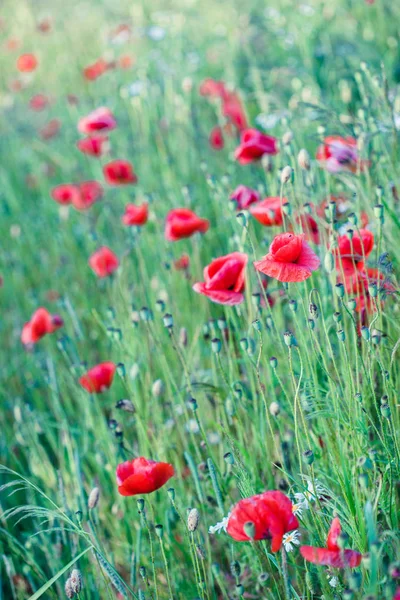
(287, 209)
(286, 174)
(157, 389)
(274, 409)
(339, 289)
(140, 504)
(303, 159)
(229, 458)
(341, 335)
(293, 305)
(216, 345)
(168, 321)
(385, 411)
(159, 531)
(273, 361)
(308, 457)
(257, 325)
(235, 568)
(378, 211)
(193, 519)
(288, 338)
(256, 299)
(93, 499)
(329, 262)
(243, 218)
(145, 314)
(171, 494)
(352, 304)
(365, 333)
(160, 306)
(244, 343)
(287, 138)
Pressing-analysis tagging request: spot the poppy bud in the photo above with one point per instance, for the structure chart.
(142, 572)
(222, 324)
(341, 335)
(366, 560)
(69, 592)
(274, 409)
(159, 531)
(347, 595)
(171, 494)
(157, 389)
(193, 404)
(385, 411)
(93, 499)
(263, 579)
(140, 504)
(313, 309)
(193, 519)
(121, 370)
(293, 305)
(257, 325)
(273, 361)
(337, 317)
(269, 322)
(286, 174)
(373, 290)
(365, 333)
(353, 219)
(239, 589)
(244, 343)
(339, 289)
(287, 209)
(266, 163)
(329, 262)
(168, 321)
(308, 457)
(235, 568)
(287, 138)
(350, 233)
(216, 345)
(228, 458)
(311, 324)
(125, 405)
(242, 218)
(249, 529)
(288, 338)
(303, 159)
(376, 337)
(160, 305)
(378, 211)
(76, 581)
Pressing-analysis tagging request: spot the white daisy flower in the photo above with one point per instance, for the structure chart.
(291, 539)
(314, 490)
(222, 525)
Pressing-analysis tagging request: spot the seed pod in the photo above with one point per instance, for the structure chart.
(228, 458)
(313, 309)
(193, 519)
(273, 361)
(125, 405)
(76, 581)
(216, 345)
(235, 568)
(171, 494)
(288, 338)
(308, 457)
(257, 325)
(159, 531)
(365, 333)
(168, 321)
(243, 218)
(385, 411)
(160, 306)
(378, 211)
(341, 335)
(293, 305)
(339, 289)
(286, 174)
(303, 160)
(287, 209)
(93, 499)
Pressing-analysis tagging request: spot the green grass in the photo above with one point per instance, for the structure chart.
(331, 68)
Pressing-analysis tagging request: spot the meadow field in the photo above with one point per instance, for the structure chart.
(199, 286)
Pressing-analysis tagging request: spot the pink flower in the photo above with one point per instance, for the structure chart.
(290, 258)
(224, 279)
(253, 145)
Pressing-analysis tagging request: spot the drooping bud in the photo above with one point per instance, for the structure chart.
(286, 174)
(125, 405)
(93, 499)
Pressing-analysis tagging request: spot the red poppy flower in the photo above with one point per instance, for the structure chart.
(211, 87)
(38, 102)
(98, 378)
(182, 223)
(357, 285)
(352, 252)
(332, 555)
(100, 119)
(244, 197)
(95, 145)
(119, 172)
(50, 130)
(95, 70)
(182, 263)
(142, 476)
(89, 193)
(103, 262)
(339, 154)
(27, 63)
(66, 193)
(271, 514)
(290, 258)
(136, 215)
(216, 138)
(233, 110)
(41, 322)
(269, 211)
(224, 279)
(253, 145)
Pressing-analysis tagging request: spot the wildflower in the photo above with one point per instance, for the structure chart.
(135, 214)
(216, 139)
(270, 514)
(332, 555)
(268, 212)
(41, 323)
(119, 172)
(314, 490)
(291, 539)
(27, 63)
(38, 102)
(95, 145)
(221, 526)
(65, 193)
(50, 130)
(233, 110)
(224, 279)
(253, 145)
(101, 119)
(290, 258)
(338, 154)
(89, 193)
(182, 223)
(244, 197)
(352, 251)
(333, 581)
(142, 476)
(95, 70)
(98, 378)
(103, 262)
